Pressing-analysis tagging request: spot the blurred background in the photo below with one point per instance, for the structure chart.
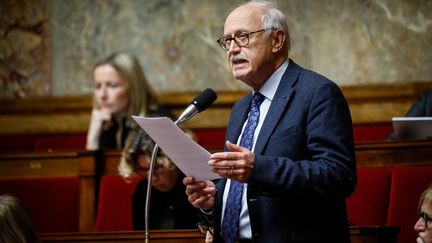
(47, 47)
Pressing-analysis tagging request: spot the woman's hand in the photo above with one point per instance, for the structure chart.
(100, 120)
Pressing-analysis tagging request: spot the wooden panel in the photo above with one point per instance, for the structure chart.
(394, 153)
(160, 236)
(375, 154)
(377, 234)
(57, 164)
(28, 165)
(109, 162)
(373, 103)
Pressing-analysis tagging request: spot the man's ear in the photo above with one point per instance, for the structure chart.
(278, 39)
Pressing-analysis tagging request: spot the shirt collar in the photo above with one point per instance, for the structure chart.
(270, 86)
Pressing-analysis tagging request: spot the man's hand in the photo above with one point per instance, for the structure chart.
(200, 193)
(236, 164)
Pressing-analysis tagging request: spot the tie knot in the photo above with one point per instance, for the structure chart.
(257, 98)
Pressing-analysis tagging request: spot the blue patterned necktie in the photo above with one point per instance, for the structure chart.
(231, 218)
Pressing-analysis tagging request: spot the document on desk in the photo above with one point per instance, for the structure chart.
(190, 157)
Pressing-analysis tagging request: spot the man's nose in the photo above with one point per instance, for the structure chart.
(233, 47)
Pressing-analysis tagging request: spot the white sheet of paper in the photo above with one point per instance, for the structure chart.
(190, 157)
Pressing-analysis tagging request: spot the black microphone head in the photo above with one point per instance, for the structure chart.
(204, 100)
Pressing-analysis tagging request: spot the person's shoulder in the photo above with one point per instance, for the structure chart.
(308, 75)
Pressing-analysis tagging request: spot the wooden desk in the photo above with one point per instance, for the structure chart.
(108, 162)
(379, 234)
(394, 153)
(160, 236)
(57, 164)
(374, 234)
(374, 154)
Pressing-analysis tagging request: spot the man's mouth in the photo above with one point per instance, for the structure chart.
(238, 60)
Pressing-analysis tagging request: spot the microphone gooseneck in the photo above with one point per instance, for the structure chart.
(198, 104)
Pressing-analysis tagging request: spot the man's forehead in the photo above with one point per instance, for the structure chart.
(245, 18)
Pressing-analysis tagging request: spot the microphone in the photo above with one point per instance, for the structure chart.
(198, 104)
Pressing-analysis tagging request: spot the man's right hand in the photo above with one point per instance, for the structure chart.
(201, 194)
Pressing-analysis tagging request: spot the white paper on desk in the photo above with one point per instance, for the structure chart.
(189, 156)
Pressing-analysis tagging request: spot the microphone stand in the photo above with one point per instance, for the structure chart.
(149, 180)
(200, 103)
(147, 202)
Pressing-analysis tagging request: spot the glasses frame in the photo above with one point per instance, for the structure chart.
(426, 219)
(224, 39)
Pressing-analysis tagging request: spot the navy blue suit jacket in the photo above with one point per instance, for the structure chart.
(304, 162)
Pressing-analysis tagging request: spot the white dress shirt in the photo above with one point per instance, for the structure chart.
(268, 90)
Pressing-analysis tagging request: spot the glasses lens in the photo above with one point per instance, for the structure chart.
(227, 43)
(223, 42)
(242, 39)
(426, 219)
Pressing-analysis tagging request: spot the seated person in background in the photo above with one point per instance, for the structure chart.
(422, 106)
(424, 223)
(169, 206)
(16, 225)
(120, 90)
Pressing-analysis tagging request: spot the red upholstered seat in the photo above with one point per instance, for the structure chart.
(407, 185)
(114, 212)
(54, 202)
(367, 206)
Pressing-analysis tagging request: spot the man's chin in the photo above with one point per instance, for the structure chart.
(240, 75)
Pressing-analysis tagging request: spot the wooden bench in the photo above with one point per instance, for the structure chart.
(391, 177)
(38, 175)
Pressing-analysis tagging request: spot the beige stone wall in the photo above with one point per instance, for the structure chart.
(47, 47)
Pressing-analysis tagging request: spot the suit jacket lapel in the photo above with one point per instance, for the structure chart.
(278, 105)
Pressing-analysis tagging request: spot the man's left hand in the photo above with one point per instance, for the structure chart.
(237, 164)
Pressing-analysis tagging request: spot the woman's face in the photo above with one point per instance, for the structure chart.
(424, 223)
(164, 179)
(110, 90)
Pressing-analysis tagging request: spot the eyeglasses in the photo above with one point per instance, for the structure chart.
(426, 219)
(241, 39)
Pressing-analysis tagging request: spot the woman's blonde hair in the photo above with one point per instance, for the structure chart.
(138, 144)
(141, 96)
(425, 197)
(16, 224)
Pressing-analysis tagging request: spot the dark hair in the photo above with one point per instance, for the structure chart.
(16, 224)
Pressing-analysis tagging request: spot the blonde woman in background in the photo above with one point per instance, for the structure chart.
(120, 90)
(16, 224)
(424, 223)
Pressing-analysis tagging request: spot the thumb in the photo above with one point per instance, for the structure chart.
(235, 148)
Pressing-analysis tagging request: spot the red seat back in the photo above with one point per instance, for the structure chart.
(407, 185)
(367, 206)
(54, 202)
(114, 212)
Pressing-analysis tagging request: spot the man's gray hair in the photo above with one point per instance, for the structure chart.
(272, 17)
